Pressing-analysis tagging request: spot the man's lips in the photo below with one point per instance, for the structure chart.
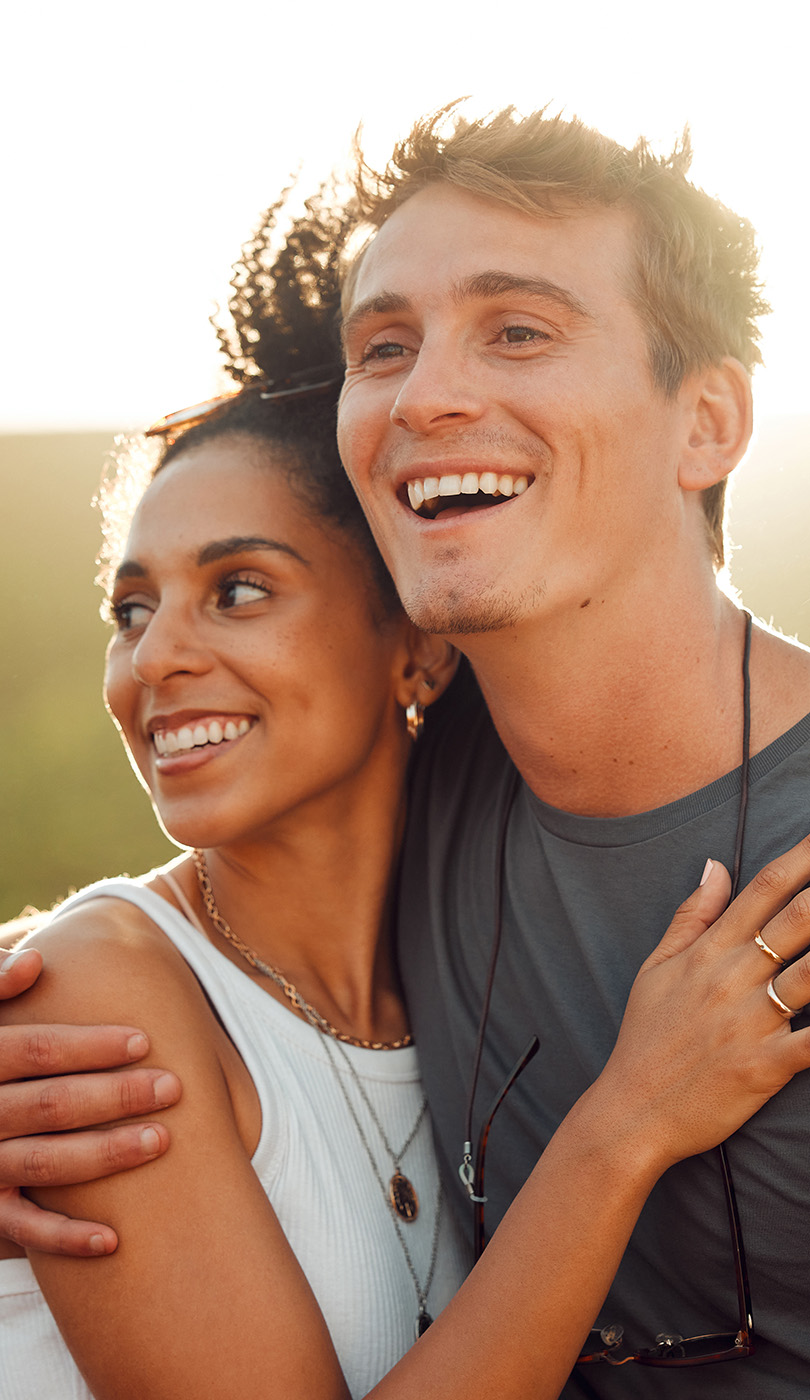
(429, 495)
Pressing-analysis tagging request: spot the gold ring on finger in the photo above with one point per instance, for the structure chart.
(786, 1011)
(760, 942)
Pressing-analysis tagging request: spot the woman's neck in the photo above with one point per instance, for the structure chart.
(314, 901)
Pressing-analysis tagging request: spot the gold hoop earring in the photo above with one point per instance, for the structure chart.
(415, 720)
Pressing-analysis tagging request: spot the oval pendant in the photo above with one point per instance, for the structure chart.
(423, 1321)
(403, 1197)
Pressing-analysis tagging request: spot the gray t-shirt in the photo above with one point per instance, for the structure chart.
(586, 900)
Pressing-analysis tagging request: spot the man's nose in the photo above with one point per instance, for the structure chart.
(441, 390)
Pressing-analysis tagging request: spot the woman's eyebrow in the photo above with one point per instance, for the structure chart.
(219, 549)
(243, 544)
(129, 568)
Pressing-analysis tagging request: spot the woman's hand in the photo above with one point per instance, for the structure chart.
(45, 1091)
(702, 1046)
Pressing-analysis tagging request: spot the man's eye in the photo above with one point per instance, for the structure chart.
(383, 350)
(523, 335)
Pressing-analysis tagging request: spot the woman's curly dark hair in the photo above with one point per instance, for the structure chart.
(283, 320)
(285, 300)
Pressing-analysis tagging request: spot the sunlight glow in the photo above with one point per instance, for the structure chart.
(141, 157)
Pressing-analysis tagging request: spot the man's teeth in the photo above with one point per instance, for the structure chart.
(428, 489)
(169, 741)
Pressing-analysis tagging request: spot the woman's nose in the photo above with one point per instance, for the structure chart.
(169, 645)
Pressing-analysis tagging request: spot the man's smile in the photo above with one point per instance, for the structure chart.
(430, 495)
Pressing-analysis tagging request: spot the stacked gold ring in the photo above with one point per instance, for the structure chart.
(779, 1004)
(760, 942)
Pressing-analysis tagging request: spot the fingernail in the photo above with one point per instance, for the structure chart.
(13, 958)
(707, 870)
(137, 1045)
(97, 1245)
(150, 1141)
(165, 1088)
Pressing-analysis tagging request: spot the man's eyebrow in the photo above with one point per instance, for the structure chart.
(385, 304)
(481, 286)
(485, 285)
(219, 549)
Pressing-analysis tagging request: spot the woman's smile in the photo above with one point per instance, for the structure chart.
(197, 737)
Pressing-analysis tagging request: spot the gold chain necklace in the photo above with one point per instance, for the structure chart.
(400, 1196)
(291, 993)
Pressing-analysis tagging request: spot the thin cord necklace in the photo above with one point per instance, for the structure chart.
(400, 1195)
(291, 993)
(470, 1174)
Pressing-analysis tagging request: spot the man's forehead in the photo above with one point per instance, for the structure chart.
(462, 245)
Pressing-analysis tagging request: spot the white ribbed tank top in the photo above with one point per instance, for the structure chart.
(313, 1168)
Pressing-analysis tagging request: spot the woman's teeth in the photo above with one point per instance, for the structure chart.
(428, 495)
(171, 741)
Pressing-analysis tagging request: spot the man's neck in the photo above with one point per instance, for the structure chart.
(618, 711)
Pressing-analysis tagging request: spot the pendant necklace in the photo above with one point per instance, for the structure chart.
(400, 1195)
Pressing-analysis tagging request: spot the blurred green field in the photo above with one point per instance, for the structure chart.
(71, 810)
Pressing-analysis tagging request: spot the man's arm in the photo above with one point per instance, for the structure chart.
(45, 1090)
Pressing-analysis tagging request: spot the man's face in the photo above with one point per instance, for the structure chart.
(497, 369)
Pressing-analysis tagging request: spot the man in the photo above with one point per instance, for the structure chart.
(549, 342)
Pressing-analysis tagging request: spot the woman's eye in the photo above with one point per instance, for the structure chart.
(129, 616)
(236, 592)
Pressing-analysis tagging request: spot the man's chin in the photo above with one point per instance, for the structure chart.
(458, 615)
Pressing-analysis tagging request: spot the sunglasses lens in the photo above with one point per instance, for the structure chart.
(672, 1350)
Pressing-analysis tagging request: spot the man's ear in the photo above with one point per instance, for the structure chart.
(720, 421)
(429, 667)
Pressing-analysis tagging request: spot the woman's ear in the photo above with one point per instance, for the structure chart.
(720, 422)
(429, 666)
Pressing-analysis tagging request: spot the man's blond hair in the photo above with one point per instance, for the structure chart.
(694, 280)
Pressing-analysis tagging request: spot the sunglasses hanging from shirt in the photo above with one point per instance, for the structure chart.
(608, 1343)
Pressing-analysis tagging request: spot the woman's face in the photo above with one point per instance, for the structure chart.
(250, 674)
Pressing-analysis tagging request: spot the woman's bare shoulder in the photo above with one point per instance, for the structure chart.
(105, 959)
(107, 962)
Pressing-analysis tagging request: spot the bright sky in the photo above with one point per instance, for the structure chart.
(141, 142)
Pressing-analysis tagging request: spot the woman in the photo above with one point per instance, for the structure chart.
(261, 673)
